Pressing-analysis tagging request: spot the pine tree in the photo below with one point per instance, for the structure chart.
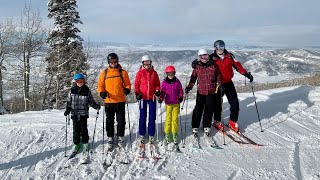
(66, 56)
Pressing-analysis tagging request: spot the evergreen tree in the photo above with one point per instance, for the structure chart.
(66, 56)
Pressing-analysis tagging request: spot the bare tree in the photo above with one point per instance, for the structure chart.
(6, 34)
(30, 39)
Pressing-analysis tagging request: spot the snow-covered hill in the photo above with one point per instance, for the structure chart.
(32, 144)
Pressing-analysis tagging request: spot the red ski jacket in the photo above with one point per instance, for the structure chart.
(226, 64)
(146, 83)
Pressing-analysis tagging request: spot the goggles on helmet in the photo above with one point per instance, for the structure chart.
(220, 47)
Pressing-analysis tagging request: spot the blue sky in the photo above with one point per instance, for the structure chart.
(252, 22)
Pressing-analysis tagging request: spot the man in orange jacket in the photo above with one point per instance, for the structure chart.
(113, 86)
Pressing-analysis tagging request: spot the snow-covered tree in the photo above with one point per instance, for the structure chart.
(66, 56)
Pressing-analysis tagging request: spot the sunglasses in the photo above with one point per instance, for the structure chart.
(80, 81)
(219, 47)
(113, 61)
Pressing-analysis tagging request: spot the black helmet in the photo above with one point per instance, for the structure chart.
(219, 43)
(113, 56)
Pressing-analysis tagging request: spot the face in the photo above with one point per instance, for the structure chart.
(113, 63)
(220, 49)
(147, 64)
(170, 75)
(80, 82)
(204, 57)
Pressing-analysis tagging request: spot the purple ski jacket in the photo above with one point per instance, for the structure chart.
(171, 91)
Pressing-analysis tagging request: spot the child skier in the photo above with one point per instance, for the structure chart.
(78, 102)
(172, 93)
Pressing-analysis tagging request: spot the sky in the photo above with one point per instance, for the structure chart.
(32, 144)
(247, 22)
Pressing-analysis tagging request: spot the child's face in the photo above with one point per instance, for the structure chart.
(80, 82)
(170, 75)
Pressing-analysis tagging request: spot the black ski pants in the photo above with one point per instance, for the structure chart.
(80, 130)
(117, 109)
(205, 106)
(230, 91)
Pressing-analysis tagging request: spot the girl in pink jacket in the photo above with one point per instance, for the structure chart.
(172, 94)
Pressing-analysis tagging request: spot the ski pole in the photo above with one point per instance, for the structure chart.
(255, 102)
(181, 127)
(129, 124)
(65, 145)
(221, 99)
(161, 123)
(185, 123)
(94, 131)
(104, 108)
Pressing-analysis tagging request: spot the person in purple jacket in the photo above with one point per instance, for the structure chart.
(172, 94)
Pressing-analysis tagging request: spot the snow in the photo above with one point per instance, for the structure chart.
(32, 144)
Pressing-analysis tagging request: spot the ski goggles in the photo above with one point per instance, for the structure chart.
(80, 81)
(113, 61)
(219, 47)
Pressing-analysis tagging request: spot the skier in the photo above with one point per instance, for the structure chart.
(146, 87)
(78, 102)
(209, 78)
(113, 86)
(226, 62)
(172, 93)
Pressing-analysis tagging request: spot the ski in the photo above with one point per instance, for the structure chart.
(108, 159)
(196, 143)
(223, 132)
(85, 158)
(123, 156)
(244, 137)
(212, 143)
(153, 152)
(141, 150)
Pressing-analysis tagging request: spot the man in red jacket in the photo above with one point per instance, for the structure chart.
(226, 62)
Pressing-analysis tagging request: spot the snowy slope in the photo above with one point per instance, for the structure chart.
(32, 144)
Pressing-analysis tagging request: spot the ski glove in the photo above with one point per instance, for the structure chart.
(160, 100)
(188, 89)
(126, 91)
(104, 95)
(157, 93)
(249, 76)
(180, 99)
(138, 96)
(194, 63)
(66, 113)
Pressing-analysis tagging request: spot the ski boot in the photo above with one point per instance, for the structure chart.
(207, 131)
(120, 142)
(85, 153)
(110, 144)
(219, 126)
(233, 125)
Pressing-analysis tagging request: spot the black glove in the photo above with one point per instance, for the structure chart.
(188, 89)
(249, 76)
(194, 63)
(139, 97)
(126, 91)
(66, 113)
(180, 99)
(96, 106)
(104, 95)
(160, 100)
(157, 93)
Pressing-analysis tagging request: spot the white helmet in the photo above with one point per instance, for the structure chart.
(202, 52)
(145, 58)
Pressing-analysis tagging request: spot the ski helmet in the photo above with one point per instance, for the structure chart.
(219, 44)
(113, 56)
(202, 52)
(170, 69)
(78, 76)
(145, 58)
